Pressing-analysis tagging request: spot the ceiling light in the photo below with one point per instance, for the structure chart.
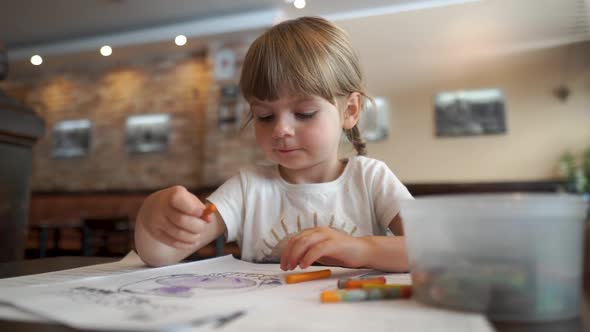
(106, 50)
(36, 60)
(299, 4)
(180, 40)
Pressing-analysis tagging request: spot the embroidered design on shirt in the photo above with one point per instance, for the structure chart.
(271, 245)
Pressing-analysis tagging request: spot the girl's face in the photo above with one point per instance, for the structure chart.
(301, 134)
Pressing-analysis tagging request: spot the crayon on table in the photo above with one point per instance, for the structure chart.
(358, 283)
(209, 208)
(394, 290)
(385, 286)
(365, 294)
(306, 276)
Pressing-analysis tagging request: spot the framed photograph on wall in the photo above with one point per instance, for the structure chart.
(147, 133)
(229, 113)
(224, 64)
(469, 113)
(71, 138)
(374, 119)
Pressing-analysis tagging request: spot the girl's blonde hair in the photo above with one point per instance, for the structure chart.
(306, 56)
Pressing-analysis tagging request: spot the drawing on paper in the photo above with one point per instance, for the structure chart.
(184, 285)
(137, 308)
(130, 298)
(133, 301)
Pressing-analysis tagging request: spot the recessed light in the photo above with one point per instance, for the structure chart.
(180, 40)
(36, 60)
(106, 50)
(299, 4)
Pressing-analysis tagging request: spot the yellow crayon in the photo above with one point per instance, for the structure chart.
(306, 276)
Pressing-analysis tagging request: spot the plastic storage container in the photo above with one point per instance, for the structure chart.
(515, 257)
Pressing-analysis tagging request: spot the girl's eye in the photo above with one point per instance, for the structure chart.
(264, 118)
(305, 116)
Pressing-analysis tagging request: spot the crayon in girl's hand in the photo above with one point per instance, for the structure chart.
(306, 276)
(358, 283)
(366, 294)
(209, 208)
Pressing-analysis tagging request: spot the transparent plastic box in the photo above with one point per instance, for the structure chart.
(513, 257)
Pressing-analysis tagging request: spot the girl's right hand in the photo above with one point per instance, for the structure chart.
(172, 217)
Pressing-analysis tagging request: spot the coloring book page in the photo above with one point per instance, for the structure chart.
(155, 298)
(131, 262)
(221, 294)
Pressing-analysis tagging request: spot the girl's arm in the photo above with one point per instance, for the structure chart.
(169, 228)
(331, 247)
(156, 253)
(388, 253)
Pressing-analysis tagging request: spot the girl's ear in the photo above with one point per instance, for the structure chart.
(352, 110)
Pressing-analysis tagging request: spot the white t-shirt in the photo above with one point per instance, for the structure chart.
(262, 211)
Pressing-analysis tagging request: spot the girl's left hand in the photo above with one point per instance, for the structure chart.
(326, 246)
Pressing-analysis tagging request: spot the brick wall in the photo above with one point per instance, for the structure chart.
(229, 146)
(200, 152)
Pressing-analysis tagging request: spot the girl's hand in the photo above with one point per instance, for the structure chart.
(326, 246)
(172, 216)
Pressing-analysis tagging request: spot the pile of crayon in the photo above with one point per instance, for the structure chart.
(353, 290)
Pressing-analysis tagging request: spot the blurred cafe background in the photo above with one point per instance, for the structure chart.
(103, 102)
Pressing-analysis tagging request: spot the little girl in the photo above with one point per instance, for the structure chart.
(304, 86)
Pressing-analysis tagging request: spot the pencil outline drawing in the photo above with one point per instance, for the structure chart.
(136, 299)
(183, 285)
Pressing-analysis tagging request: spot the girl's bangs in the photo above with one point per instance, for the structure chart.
(281, 70)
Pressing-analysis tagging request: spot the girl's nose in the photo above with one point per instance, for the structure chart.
(282, 128)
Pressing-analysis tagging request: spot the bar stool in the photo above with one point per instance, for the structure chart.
(106, 236)
(54, 231)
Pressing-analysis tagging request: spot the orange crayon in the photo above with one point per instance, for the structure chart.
(358, 283)
(209, 208)
(366, 294)
(307, 276)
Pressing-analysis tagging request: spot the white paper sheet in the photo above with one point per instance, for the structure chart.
(8, 312)
(131, 262)
(222, 294)
(386, 316)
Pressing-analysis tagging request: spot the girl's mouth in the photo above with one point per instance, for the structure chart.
(286, 150)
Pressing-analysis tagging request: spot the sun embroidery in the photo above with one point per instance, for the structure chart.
(271, 246)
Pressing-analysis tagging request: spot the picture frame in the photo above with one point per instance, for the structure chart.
(147, 133)
(374, 119)
(71, 138)
(230, 108)
(470, 113)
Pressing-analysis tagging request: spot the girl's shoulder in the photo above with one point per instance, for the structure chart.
(262, 171)
(365, 163)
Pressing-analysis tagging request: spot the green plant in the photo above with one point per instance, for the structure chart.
(575, 177)
(586, 166)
